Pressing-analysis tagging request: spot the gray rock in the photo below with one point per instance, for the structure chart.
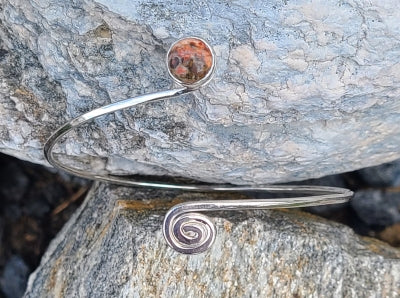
(301, 90)
(113, 247)
(377, 208)
(386, 175)
(14, 278)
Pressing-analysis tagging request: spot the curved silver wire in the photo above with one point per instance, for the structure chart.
(93, 114)
(184, 229)
(190, 232)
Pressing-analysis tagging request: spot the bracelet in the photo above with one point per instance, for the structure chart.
(191, 63)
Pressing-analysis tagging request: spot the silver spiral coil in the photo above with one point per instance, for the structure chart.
(188, 233)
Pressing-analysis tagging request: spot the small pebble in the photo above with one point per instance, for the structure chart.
(14, 278)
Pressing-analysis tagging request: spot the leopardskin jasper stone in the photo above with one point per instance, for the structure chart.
(190, 60)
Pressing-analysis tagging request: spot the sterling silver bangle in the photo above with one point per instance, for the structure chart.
(191, 63)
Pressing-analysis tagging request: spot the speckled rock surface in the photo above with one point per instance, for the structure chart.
(301, 90)
(113, 247)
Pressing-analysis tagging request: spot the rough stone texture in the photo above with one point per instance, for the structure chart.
(113, 247)
(35, 203)
(301, 89)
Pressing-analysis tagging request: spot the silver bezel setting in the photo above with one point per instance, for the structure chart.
(204, 81)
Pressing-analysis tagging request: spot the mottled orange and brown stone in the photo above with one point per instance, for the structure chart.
(190, 60)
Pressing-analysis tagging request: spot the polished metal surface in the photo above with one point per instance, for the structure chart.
(190, 232)
(186, 230)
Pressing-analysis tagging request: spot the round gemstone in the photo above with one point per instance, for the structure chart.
(190, 60)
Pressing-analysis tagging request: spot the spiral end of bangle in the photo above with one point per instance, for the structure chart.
(188, 233)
